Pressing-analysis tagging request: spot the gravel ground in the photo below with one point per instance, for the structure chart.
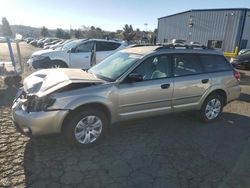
(167, 151)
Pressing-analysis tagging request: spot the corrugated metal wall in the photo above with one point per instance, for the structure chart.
(246, 31)
(220, 25)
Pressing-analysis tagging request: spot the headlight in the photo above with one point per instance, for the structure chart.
(35, 104)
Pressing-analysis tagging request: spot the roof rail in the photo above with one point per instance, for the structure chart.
(174, 46)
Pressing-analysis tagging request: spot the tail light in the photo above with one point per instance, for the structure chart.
(237, 75)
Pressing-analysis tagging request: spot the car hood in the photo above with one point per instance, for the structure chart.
(44, 52)
(242, 57)
(46, 81)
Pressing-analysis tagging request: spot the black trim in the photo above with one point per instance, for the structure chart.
(181, 98)
(172, 66)
(143, 103)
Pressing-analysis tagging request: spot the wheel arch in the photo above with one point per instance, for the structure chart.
(219, 91)
(60, 61)
(96, 105)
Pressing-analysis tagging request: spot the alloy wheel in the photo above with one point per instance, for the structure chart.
(88, 129)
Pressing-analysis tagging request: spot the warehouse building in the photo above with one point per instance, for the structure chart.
(225, 29)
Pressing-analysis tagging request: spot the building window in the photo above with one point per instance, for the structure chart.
(214, 44)
(165, 40)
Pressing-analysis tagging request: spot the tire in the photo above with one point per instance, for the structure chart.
(58, 64)
(81, 123)
(211, 108)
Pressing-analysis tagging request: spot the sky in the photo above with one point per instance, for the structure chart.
(109, 15)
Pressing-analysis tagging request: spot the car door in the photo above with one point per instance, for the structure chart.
(105, 49)
(190, 81)
(81, 56)
(152, 95)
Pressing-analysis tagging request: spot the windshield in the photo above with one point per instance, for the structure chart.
(114, 66)
(70, 45)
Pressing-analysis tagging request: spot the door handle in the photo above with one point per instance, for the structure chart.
(165, 86)
(86, 56)
(204, 81)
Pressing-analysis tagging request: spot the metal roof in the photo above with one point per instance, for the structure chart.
(218, 9)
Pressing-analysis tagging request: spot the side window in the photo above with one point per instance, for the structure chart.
(213, 63)
(106, 46)
(84, 47)
(114, 45)
(186, 64)
(214, 44)
(154, 67)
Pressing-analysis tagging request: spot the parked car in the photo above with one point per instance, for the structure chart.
(179, 42)
(242, 61)
(47, 46)
(133, 83)
(243, 51)
(195, 44)
(49, 41)
(76, 54)
(29, 39)
(40, 42)
(34, 42)
(60, 44)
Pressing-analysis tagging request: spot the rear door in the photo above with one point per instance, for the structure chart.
(105, 49)
(190, 81)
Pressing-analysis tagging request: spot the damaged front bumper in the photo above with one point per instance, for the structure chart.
(37, 123)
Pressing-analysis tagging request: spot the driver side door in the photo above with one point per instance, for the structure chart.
(152, 95)
(81, 57)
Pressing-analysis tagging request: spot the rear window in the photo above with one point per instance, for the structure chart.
(107, 46)
(213, 63)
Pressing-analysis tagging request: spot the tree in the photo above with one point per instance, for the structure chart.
(78, 33)
(66, 35)
(6, 30)
(44, 31)
(138, 35)
(119, 34)
(128, 33)
(59, 33)
(72, 33)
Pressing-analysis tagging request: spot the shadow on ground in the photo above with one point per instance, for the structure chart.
(245, 78)
(7, 96)
(167, 151)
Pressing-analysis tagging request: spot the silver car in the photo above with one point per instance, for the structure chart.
(133, 83)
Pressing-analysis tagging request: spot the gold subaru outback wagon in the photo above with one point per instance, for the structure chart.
(133, 83)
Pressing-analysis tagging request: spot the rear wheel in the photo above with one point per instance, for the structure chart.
(212, 108)
(85, 127)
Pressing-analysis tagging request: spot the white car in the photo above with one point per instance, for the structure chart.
(243, 51)
(83, 54)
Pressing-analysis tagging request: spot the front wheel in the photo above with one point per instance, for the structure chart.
(86, 127)
(211, 108)
(58, 64)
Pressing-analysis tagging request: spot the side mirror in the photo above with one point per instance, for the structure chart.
(72, 50)
(134, 77)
